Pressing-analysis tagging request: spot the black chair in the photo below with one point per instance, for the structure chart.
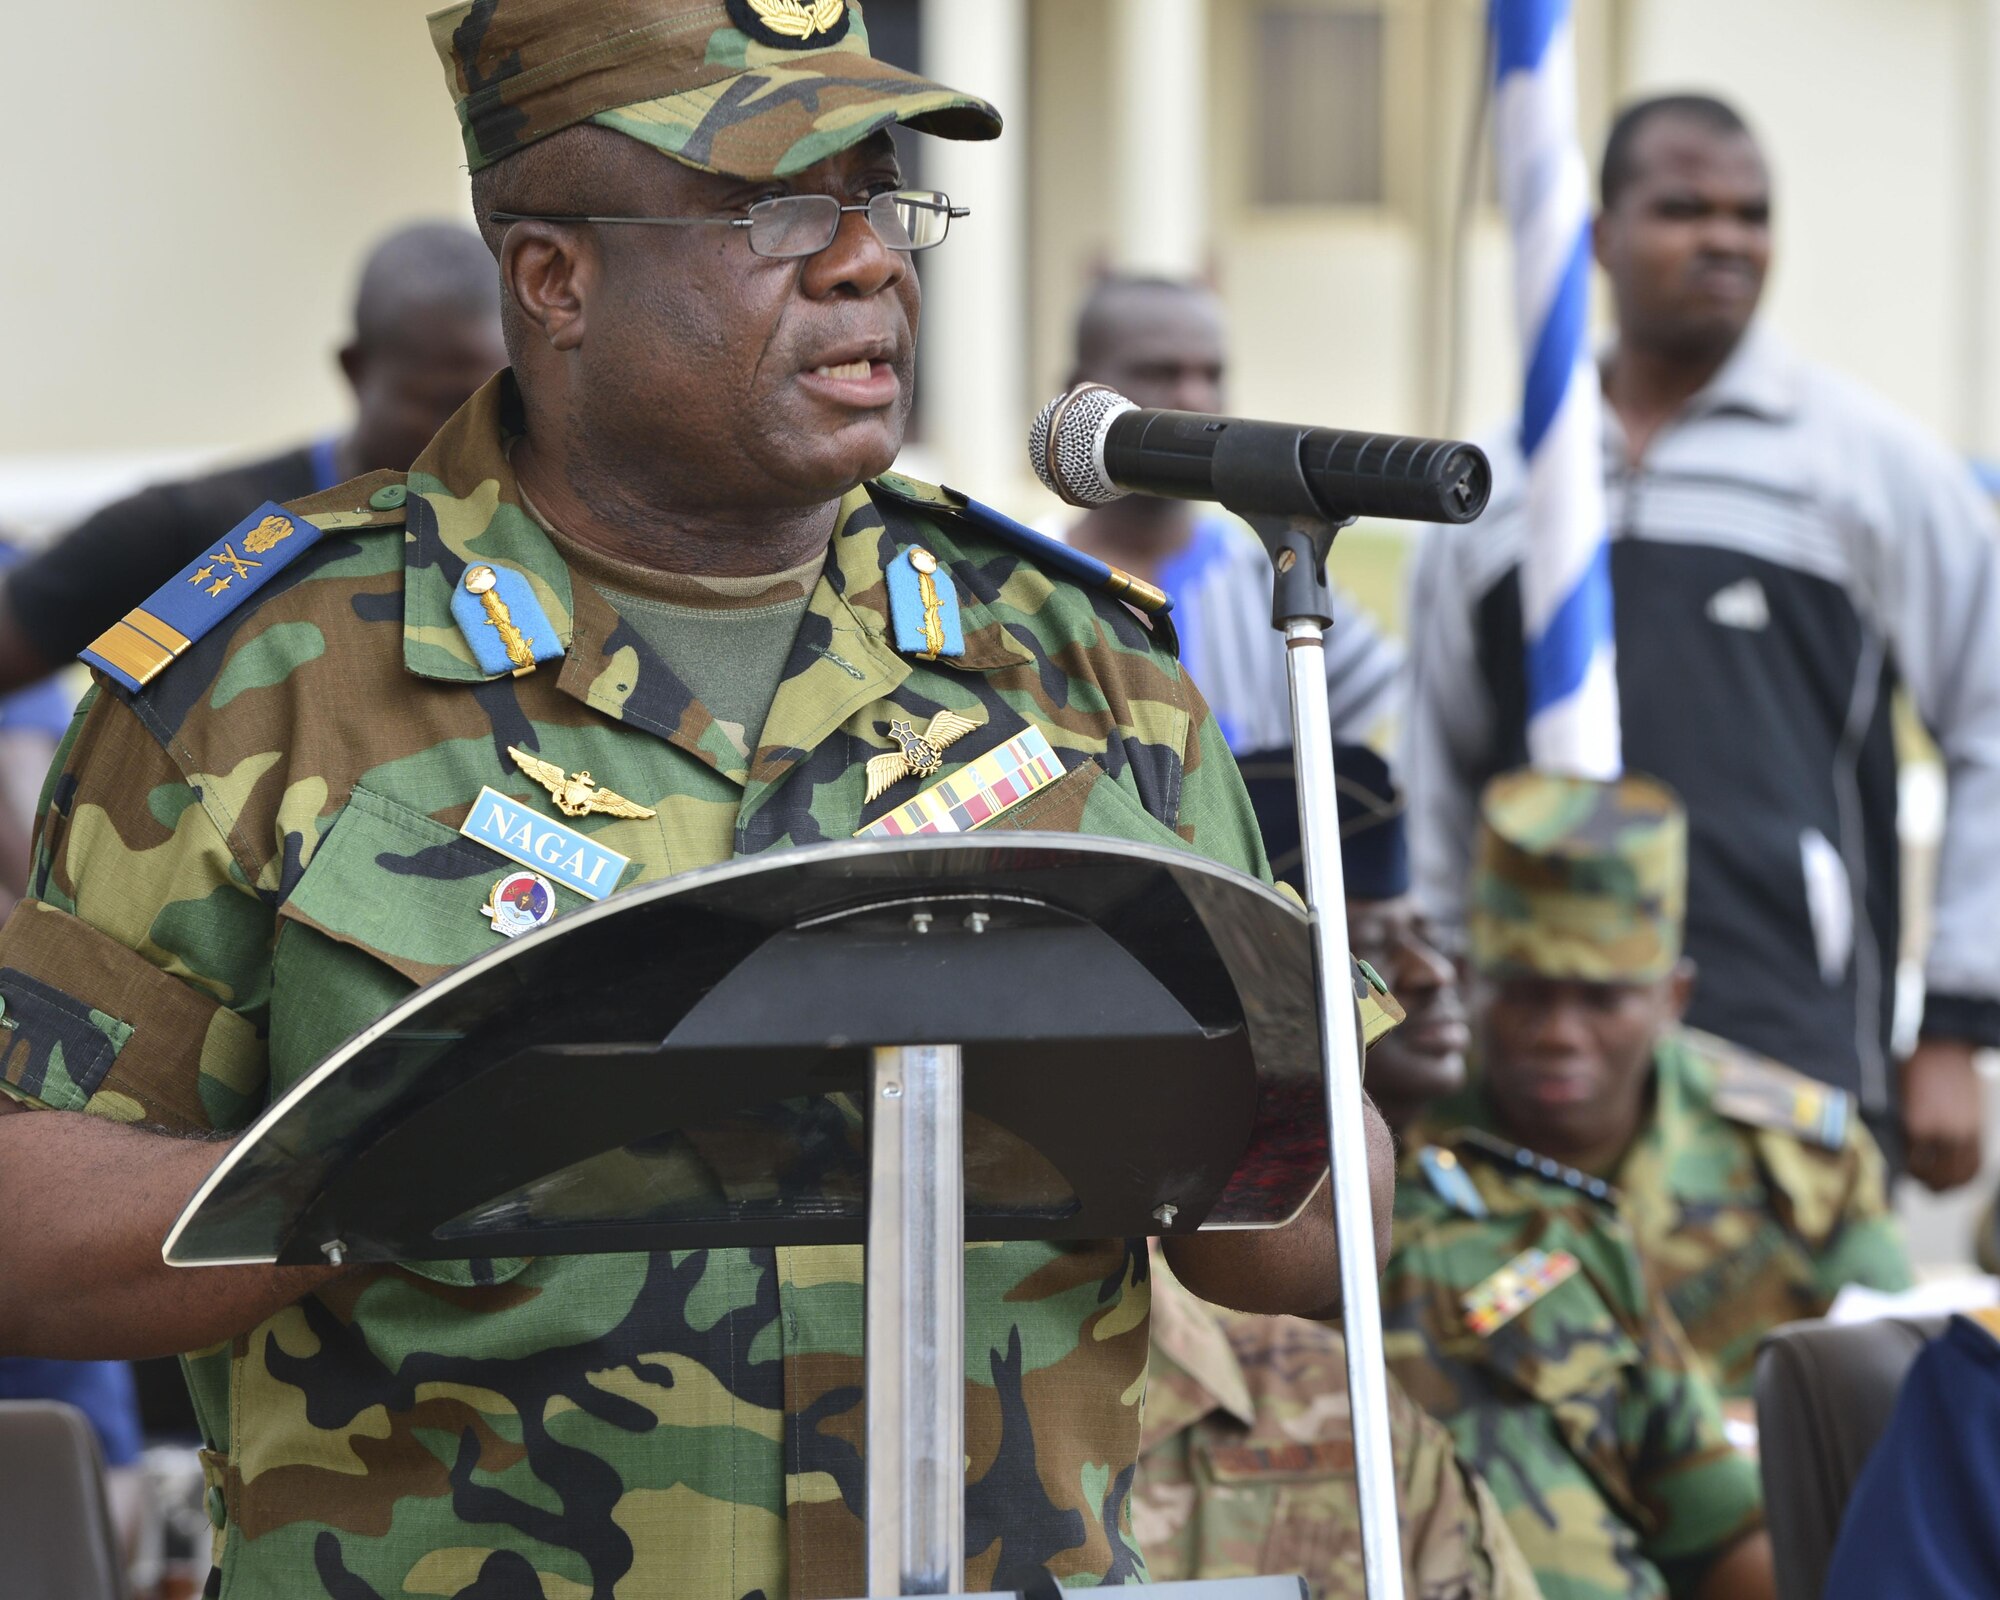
(57, 1541)
(1824, 1397)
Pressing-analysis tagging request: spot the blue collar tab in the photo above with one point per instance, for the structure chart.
(504, 624)
(923, 606)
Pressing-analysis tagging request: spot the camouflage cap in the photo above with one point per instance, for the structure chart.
(1575, 878)
(750, 88)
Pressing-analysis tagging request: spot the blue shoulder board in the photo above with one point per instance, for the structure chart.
(1087, 570)
(139, 647)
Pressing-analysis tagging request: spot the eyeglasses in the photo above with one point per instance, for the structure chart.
(789, 226)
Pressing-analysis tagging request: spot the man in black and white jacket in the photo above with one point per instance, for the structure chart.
(1786, 551)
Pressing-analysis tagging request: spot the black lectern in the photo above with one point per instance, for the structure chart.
(907, 1045)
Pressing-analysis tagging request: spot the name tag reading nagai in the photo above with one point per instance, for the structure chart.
(534, 840)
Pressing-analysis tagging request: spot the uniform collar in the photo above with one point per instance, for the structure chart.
(466, 506)
(1200, 1373)
(1761, 378)
(1676, 1111)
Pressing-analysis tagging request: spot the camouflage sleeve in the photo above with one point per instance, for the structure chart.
(1700, 1493)
(1215, 815)
(1865, 1242)
(135, 976)
(1455, 1537)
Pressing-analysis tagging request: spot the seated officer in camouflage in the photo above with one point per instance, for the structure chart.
(1246, 1463)
(1517, 1312)
(1754, 1192)
(658, 551)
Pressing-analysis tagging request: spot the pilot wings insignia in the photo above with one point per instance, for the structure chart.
(576, 794)
(919, 754)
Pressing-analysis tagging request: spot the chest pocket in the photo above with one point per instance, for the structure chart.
(402, 887)
(1087, 799)
(390, 899)
(1572, 1356)
(1299, 1495)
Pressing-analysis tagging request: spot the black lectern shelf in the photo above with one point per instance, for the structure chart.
(686, 1064)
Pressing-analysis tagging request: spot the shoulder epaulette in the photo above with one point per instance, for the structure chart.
(1489, 1147)
(1087, 570)
(1764, 1094)
(141, 645)
(1450, 1182)
(374, 500)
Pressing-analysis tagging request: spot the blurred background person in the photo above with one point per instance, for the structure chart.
(1516, 1310)
(1754, 1193)
(1160, 342)
(426, 334)
(1424, 1058)
(1785, 551)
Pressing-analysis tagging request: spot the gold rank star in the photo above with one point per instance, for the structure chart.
(201, 575)
(919, 755)
(576, 794)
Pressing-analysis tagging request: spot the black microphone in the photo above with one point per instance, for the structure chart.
(1092, 445)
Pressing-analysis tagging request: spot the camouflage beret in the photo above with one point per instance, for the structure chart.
(750, 88)
(1575, 878)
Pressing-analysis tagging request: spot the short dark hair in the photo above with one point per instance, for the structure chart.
(1096, 322)
(425, 269)
(1718, 116)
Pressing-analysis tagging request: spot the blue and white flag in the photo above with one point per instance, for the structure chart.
(1566, 573)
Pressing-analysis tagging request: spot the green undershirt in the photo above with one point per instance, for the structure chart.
(727, 639)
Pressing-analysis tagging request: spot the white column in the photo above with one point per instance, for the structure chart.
(1159, 73)
(974, 347)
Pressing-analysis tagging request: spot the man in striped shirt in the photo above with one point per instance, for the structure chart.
(1160, 342)
(1785, 552)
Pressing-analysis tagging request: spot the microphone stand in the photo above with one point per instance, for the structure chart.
(1301, 610)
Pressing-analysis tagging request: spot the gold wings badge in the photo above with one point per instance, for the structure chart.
(576, 794)
(918, 754)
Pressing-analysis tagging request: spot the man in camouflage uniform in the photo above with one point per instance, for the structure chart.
(1246, 1463)
(1517, 1312)
(1754, 1192)
(252, 848)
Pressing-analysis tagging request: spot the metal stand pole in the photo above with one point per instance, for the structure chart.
(1299, 548)
(914, 1355)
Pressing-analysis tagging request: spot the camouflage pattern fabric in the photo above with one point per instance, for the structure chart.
(1585, 1412)
(245, 863)
(1246, 1465)
(1745, 1225)
(1573, 878)
(754, 88)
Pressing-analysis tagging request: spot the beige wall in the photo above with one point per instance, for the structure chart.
(180, 259)
(1865, 109)
(1340, 316)
(188, 189)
